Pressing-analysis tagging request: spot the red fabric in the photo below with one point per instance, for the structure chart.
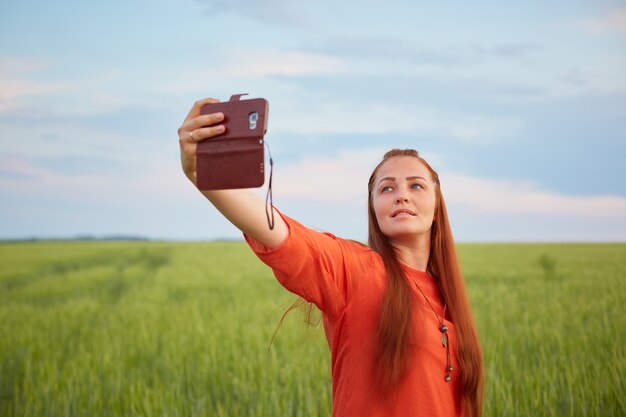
(346, 281)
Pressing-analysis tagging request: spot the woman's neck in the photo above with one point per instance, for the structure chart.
(413, 252)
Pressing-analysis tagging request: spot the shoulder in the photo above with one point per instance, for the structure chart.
(354, 247)
(359, 256)
(305, 245)
(356, 256)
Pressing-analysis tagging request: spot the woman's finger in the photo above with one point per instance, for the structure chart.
(201, 127)
(205, 120)
(195, 128)
(203, 133)
(187, 134)
(195, 110)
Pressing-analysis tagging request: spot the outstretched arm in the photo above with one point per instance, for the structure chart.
(241, 207)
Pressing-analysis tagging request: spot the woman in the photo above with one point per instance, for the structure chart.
(396, 315)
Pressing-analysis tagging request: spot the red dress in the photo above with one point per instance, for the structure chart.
(346, 281)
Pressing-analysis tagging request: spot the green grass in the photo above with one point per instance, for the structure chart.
(176, 329)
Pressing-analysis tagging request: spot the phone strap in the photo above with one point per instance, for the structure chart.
(269, 208)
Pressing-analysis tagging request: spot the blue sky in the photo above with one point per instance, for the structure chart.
(521, 108)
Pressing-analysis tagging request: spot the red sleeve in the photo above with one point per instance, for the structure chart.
(316, 266)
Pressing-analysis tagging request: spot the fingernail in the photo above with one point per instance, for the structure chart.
(219, 116)
(220, 128)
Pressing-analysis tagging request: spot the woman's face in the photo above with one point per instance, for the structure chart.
(403, 198)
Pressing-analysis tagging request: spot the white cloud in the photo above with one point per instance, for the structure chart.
(29, 179)
(267, 11)
(25, 88)
(304, 110)
(151, 178)
(254, 63)
(71, 139)
(15, 86)
(612, 22)
(12, 88)
(342, 180)
(224, 71)
(329, 192)
(501, 196)
(239, 70)
(312, 115)
(73, 162)
(12, 65)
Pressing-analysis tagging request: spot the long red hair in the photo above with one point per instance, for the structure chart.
(395, 322)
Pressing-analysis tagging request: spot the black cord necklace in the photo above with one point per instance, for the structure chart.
(443, 329)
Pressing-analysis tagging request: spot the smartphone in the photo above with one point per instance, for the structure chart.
(236, 158)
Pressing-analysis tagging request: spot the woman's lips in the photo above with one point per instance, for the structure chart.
(402, 211)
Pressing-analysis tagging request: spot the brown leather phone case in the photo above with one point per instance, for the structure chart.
(234, 159)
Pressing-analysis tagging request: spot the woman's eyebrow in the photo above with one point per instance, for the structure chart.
(412, 178)
(387, 179)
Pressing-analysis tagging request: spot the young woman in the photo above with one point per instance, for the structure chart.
(396, 314)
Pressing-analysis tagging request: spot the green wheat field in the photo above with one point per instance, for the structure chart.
(184, 329)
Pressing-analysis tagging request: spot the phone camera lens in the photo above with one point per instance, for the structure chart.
(252, 120)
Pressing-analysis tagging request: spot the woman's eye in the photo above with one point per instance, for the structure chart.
(416, 186)
(386, 188)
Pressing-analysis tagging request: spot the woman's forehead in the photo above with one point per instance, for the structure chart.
(402, 167)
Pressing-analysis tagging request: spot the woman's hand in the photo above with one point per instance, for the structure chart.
(242, 207)
(195, 128)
